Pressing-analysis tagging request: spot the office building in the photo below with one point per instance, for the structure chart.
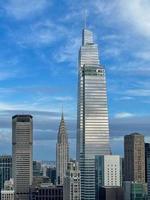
(9, 185)
(134, 160)
(37, 168)
(135, 191)
(147, 166)
(46, 193)
(62, 152)
(5, 169)
(22, 164)
(38, 180)
(51, 173)
(108, 172)
(92, 116)
(111, 193)
(7, 195)
(72, 182)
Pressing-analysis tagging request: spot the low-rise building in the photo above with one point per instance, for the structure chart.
(42, 193)
(7, 194)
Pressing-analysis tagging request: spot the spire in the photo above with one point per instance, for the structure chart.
(62, 115)
(62, 133)
(85, 19)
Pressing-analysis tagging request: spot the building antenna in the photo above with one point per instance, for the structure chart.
(85, 18)
(85, 14)
(62, 111)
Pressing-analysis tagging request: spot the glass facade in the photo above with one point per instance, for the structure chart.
(92, 120)
(5, 169)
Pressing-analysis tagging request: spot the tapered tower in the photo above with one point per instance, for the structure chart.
(92, 116)
(62, 152)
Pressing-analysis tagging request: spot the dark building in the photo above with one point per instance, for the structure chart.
(51, 173)
(38, 180)
(135, 191)
(22, 163)
(46, 193)
(134, 158)
(5, 169)
(37, 168)
(111, 193)
(147, 166)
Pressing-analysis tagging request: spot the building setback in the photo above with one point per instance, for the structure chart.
(134, 160)
(92, 114)
(62, 152)
(22, 131)
(5, 169)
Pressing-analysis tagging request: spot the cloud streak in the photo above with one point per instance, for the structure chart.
(22, 9)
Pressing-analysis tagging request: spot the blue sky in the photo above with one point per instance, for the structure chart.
(39, 43)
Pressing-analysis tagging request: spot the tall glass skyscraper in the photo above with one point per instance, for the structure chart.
(92, 117)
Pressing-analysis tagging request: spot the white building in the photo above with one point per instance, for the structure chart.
(72, 182)
(9, 185)
(7, 194)
(108, 171)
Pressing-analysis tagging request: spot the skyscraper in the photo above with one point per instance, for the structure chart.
(22, 129)
(72, 182)
(5, 169)
(92, 116)
(62, 152)
(147, 166)
(134, 160)
(108, 172)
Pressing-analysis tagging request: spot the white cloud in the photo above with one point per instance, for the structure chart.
(21, 9)
(117, 139)
(137, 13)
(124, 115)
(63, 98)
(69, 51)
(5, 135)
(145, 55)
(7, 75)
(139, 92)
(40, 33)
(126, 98)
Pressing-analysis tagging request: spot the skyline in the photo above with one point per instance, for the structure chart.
(41, 39)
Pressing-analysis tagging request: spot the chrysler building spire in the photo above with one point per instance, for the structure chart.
(62, 151)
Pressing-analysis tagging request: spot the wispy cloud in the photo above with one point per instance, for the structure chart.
(144, 55)
(124, 115)
(136, 13)
(139, 92)
(25, 9)
(38, 34)
(63, 98)
(68, 52)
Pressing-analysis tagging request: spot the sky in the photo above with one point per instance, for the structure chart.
(39, 44)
